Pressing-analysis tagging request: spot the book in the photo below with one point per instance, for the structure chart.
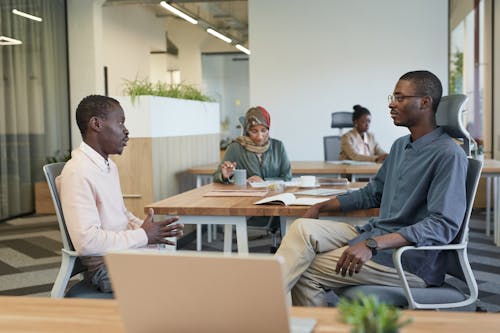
(236, 193)
(288, 199)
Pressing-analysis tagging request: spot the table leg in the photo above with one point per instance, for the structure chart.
(214, 232)
(496, 211)
(488, 205)
(228, 237)
(242, 237)
(198, 237)
(209, 233)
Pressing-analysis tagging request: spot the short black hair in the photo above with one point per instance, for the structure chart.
(426, 84)
(359, 111)
(93, 106)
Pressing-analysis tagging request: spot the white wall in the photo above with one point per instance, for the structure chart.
(310, 59)
(191, 41)
(225, 78)
(85, 55)
(130, 33)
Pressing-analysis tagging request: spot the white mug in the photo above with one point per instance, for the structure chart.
(308, 181)
(240, 177)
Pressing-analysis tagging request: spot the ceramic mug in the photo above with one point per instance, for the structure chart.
(308, 181)
(240, 177)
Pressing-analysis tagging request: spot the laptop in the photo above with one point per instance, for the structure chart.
(159, 291)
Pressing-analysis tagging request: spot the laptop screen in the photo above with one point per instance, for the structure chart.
(198, 292)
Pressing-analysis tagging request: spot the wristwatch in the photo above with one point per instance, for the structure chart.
(372, 245)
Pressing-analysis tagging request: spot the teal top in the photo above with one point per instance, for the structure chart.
(275, 163)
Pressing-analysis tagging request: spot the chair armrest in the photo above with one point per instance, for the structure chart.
(396, 258)
(69, 252)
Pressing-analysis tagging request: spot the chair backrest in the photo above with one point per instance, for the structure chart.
(472, 181)
(51, 171)
(341, 119)
(331, 147)
(449, 116)
(241, 120)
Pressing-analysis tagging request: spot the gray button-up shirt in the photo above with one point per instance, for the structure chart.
(420, 190)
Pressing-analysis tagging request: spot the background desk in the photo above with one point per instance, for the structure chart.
(50, 315)
(490, 171)
(194, 208)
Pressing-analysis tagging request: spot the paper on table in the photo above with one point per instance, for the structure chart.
(235, 193)
(265, 183)
(332, 181)
(351, 162)
(322, 191)
(288, 199)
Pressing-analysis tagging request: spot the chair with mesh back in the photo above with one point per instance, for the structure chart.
(460, 288)
(331, 143)
(70, 263)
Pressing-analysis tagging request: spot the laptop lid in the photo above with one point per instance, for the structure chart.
(198, 292)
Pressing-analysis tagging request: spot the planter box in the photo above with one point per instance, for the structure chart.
(167, 137)
(43, 200)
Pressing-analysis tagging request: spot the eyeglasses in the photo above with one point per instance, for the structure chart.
(399, 98)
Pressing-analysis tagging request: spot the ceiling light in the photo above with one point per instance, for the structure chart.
(9, 41)
(219, 35)
(31, 17)
(177, 12)
(243, 49)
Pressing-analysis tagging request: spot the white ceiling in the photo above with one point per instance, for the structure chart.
(229, 17)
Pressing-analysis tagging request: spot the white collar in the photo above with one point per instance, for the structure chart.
(95, 157)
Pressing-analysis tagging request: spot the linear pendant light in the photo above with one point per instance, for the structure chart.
(9, 41)
(219, 35)
(177, 12)
(29, 16)
(242, 49)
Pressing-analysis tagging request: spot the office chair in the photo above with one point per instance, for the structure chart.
(449, 295)
(331, 143)
(70, 263)
(270, 224)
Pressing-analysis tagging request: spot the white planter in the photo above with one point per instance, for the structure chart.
(153, 116)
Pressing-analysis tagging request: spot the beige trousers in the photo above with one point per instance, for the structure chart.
(311, 249)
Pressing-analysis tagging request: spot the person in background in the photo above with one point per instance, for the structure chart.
(358, 144)
(420, 190)
(91, 196)
(262, 157)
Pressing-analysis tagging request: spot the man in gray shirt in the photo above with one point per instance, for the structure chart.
(420, 190)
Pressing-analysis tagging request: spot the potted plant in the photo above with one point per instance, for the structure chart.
(137, 87)
(367, 315)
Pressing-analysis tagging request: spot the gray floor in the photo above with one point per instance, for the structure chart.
(30, 257)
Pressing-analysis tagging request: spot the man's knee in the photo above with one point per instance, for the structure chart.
(302, 225)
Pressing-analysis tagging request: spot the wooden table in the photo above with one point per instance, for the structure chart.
(318, 168)
(490, 171)
(50, 315)
(194, 208)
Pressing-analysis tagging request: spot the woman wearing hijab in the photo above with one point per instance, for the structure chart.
(262, 157)
(358, 144)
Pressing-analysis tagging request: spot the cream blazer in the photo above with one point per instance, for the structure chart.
(354, 148)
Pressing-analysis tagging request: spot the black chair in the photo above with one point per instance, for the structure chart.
(460, 288)
(331, 144)
(70, 263)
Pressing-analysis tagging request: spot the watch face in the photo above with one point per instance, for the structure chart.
(371, 243)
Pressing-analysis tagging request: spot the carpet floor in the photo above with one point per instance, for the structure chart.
(30, 256)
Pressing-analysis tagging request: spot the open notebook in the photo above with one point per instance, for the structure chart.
(182, 291)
